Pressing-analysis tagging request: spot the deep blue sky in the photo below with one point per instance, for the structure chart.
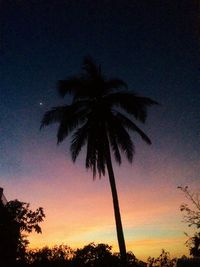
(154, 47)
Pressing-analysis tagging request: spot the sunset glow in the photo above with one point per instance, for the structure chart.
(79, 210)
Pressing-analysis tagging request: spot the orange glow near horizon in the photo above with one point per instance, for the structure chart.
(79, 211)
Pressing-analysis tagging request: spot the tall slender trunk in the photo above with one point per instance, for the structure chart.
(120, 234)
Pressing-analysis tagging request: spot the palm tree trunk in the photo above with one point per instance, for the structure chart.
(120, 234)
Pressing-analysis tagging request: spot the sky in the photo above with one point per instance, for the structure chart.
(153, 46)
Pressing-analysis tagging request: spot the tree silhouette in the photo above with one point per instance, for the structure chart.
(192, 217)
(16, 218)
(91, 255)
(95, 255)
(56, 256)
(163, 260)
(97, 117)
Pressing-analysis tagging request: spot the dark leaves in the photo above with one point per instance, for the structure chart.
(70, 86)
(26, 219)
(78, 141)
(127, 123)
(120, 137)
(54, 115)
(115, 84)
(132, 104)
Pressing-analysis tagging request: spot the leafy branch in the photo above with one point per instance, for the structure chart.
(191, 216)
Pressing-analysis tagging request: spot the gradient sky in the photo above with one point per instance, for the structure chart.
(153, 46)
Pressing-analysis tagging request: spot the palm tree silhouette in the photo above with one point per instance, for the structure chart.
(97, 116)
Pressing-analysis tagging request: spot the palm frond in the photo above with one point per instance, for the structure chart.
(64, 129)
(101, 152)
(131, 125)
(91, 158)
(54, 115)
(123, 139)
(70, 86)
(95, 158)
(115, 148)
(87, 91)
(115, 84)
(125, 143)
(75, 116)
(69, 117)
(79, 139)
(132, 104)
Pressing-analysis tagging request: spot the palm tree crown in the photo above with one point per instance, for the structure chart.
(97, 116)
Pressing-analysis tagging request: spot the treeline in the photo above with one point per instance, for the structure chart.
(92, 255)
(96, 255)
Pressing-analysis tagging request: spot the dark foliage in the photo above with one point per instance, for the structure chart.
(163, 260)
(185, 262)
(192, 217)
(16, 219)
(92, 255)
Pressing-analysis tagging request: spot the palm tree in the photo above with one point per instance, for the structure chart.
(100, 117)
